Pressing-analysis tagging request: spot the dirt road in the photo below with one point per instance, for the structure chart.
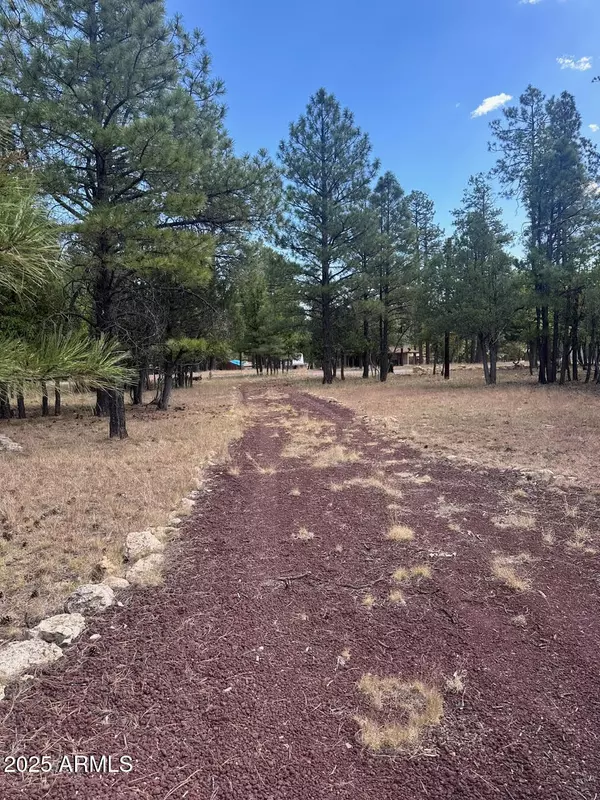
(238, 678)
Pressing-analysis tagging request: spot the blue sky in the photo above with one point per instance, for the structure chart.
(411, 71)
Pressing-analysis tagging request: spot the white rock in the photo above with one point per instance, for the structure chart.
(174, 521)
(94, 637)
(147, 571)
(8, 444)
(60, 629)
(142, 543)
(115, 583)
(17, 657)
(90, 599)
(163, 532)
(187, 505)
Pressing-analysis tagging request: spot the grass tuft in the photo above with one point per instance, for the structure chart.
(304, 535)
(405, 574)
(412, 706)
(400, 533)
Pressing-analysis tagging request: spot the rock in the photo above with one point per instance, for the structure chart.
(115, 582)
(8, 444)
(60, 629)
(186, 506)
(147, 571)
(142, 543)
(174, 521)
(90, 599)
(18, 657)
(94, 637)
(163, 532)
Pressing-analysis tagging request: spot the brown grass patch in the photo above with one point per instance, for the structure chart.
(519, 424)
(407, 574)
(334, 456)
(304, 535)
(397, 597)
(406, 709)
(368, 600)
(413, 477)
(69, 499)
(513, 520)
(447, 510)
(456, 683)
(400, 533)
(504, 570)
(372, 482)
(583, 540)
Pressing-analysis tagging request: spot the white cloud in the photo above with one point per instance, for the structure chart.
(568, 62)
(491, 103)
(529, 2)
(594, 128)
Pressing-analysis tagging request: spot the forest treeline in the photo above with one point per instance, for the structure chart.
(134, 238)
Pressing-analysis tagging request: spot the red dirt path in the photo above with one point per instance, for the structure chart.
(226, 682)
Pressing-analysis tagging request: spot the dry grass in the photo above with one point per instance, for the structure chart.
(583, 540)
(407, 574)
(456, 683)
(372, 482)
(295, 492)
(400, 533)
(413, 477)
(368, 600)
(397, 597)
(334, 456)
(303, 535)
(517, 423)
(71, 496)
(519, 621)
(519, 494)
(410, 707)
(504, 570)
(513, 520)
(447, 510)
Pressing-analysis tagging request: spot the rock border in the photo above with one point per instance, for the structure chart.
(45, 642)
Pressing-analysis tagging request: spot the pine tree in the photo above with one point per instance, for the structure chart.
(487, 291)
(327, 163)
(392, 211)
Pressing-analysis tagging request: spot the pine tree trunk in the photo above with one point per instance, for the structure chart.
(486, 366)
(543, 346)
(447, 355)
(44, 399)
(138, 389)
(328, 350)
(102, 407)
(117, 426)
(21, 405)
(366, 358)
(384, 357)
(428, 351)
(493, 362)
(165, 395)
(57, 400)
(5, 412)
(342, 376)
